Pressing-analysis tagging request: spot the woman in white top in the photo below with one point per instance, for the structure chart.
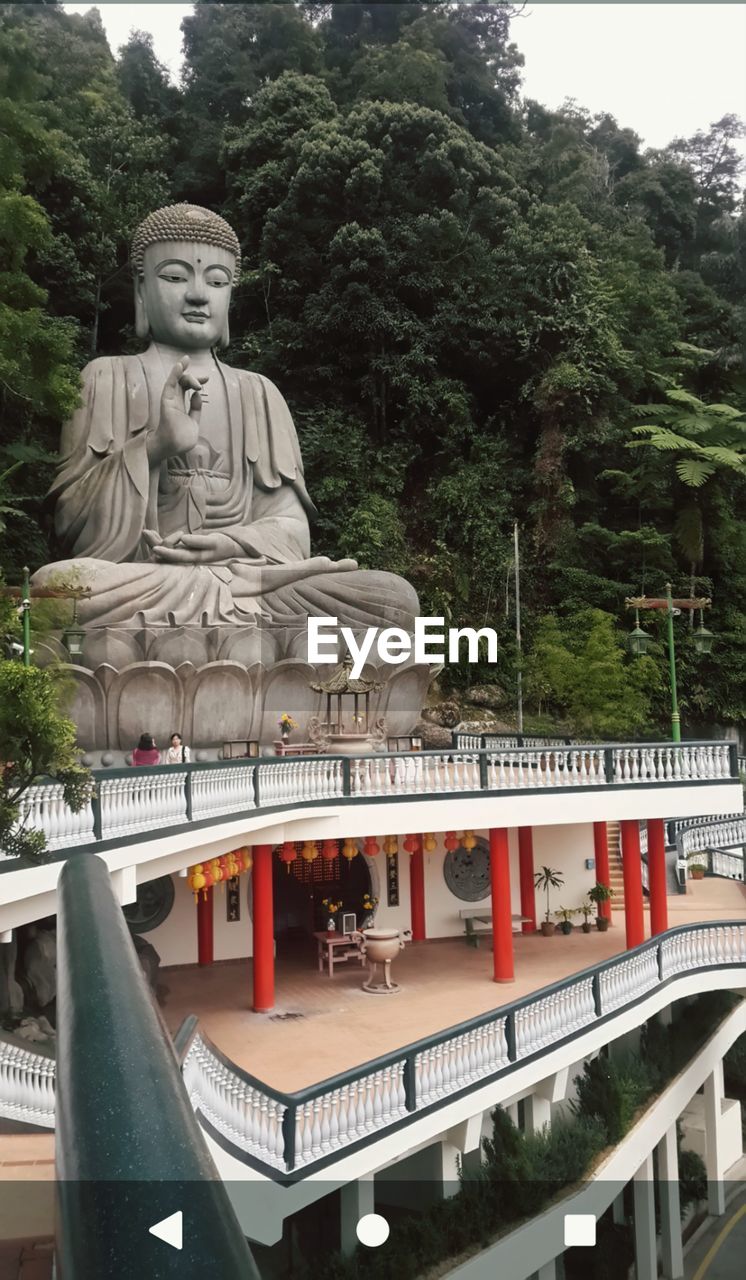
(177, 753)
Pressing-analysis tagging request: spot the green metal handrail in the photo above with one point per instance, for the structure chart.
(129, 1149)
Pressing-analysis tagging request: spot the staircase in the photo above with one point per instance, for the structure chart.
(616, 874)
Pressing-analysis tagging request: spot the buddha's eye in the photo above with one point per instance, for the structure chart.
(217, 282)
(172, 278)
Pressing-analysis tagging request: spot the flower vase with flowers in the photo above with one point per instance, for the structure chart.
(332, 907)
(369, 909)
(286, 723)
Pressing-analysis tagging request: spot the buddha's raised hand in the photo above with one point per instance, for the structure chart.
(178, 428)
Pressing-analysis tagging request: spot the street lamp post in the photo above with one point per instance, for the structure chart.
(639, 640)
(26, 617)
(72, 636)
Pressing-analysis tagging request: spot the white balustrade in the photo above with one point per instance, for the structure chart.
(249, 1118)
(549, 1019)
(43, 808)
(728, 865)
(141, 801)
(696, 948)
(296, 781)
(716, 833)
(220, 791)
(679, 762)
(628, 979)
(349, 1112)
(26, 1086)
(455, 1063)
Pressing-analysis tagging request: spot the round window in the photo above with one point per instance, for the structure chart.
(155, 899)
(466, 873)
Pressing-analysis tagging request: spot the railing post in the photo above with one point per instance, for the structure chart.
(410, 1082)
(483, 778)
(188, 793)
(346, 777)
(519, 739)
(288, 1135)
(609, 764)
(597, 994)
(96, 811)
(733, 750)
(510, 1037)
(659, 949)
(256, 786)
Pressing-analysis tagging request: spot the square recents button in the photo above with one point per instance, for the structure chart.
(580, 1230)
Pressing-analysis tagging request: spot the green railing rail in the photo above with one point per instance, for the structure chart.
(129, 1149)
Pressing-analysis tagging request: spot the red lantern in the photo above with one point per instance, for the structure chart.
(451, 841)
(329, 850)
(412, 844)
(288, 853)
(371, 846)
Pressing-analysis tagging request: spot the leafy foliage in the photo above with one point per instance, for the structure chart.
(467, 299)
(37, 739)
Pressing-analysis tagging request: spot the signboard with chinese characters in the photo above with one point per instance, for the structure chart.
(233, 900)
(392, 879)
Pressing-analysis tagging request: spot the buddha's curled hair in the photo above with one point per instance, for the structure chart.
(188, 222)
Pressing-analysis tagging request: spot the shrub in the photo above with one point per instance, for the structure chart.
(612, 1090)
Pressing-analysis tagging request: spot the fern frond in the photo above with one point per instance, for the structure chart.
(693, 472)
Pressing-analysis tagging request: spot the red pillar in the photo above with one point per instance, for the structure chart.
(657, 876)
(417, 893)
(263, 912)
(204, 926)
(526, 876)
(601, 850)
(502, 923)
(634, 915)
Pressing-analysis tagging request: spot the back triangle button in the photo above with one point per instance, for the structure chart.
(170, 1230)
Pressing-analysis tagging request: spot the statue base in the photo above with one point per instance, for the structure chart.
(210, 684)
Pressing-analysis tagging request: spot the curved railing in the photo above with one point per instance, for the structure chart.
(293, 1133)
(132, 802)
(707, 840)
(282, 1134)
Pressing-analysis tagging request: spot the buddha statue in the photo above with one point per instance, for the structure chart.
(180, 496)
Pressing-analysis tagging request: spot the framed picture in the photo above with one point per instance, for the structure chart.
(241, 750)
(349, 922)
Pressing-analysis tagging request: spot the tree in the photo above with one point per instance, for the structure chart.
(577, 668)
(701, 440)
(37, 740)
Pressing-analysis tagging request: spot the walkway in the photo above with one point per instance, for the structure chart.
(323, 1026)
(720, 1251)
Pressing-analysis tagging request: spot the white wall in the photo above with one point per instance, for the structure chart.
(564, 848)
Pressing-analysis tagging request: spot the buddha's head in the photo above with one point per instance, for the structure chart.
(185, 260)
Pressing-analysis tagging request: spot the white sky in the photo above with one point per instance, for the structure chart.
(665, 70)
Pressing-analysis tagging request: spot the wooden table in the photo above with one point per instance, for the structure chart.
(483, 915)
(336, 948)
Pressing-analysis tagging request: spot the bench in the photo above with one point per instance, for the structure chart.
(479, 920)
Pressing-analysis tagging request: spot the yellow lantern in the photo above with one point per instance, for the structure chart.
(349, 850)
(429, 843)
(197, 880)
(309, 851)
(232, 866)
(469, 841)
(247, 861)
(391, 846)
(216, 870)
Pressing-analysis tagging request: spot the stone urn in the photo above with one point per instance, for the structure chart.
(380, 946)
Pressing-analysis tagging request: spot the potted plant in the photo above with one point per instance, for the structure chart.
(546, 879)
(564, 915)
(586, 910)
(599, 894)
(332, 906)
(369, 909)
(697, 870)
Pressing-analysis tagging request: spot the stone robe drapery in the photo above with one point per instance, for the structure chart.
(107, 494)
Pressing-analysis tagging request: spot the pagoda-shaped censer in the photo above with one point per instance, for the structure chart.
(346, 728)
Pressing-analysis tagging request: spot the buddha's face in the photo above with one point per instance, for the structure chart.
(185, 292)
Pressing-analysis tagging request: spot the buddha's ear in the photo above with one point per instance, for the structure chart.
(142, 323)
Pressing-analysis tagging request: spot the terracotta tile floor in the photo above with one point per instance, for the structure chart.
(442, 983)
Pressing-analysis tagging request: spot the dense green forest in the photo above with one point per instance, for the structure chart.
(479, 310)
